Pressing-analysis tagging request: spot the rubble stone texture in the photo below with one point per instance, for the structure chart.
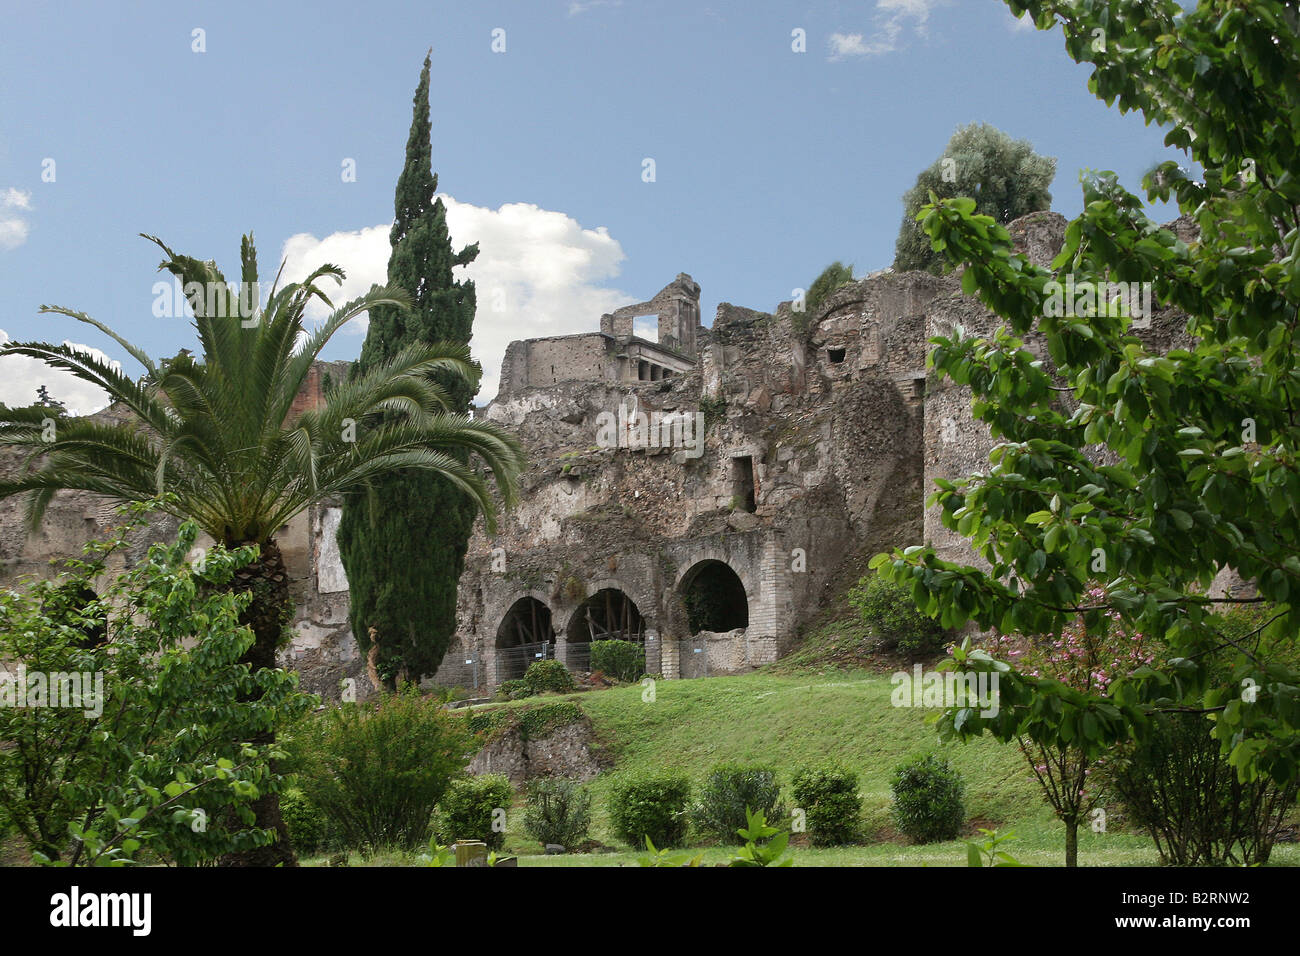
(822, 436)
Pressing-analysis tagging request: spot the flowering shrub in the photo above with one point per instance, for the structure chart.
(1087, 656)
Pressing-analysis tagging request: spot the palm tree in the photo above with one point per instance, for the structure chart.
(219, 434)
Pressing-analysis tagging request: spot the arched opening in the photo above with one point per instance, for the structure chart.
(607, 615)
(714, 597)
(523, 636)
(527, 622)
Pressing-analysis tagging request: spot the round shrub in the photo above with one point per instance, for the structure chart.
(558, 811)
(468, 810)
(888, 610)
(621, 660)
(304, 821)
(928, 805)
(829, 799)
(729, 789)
(651, 806)
(514, 689)
(548, 675)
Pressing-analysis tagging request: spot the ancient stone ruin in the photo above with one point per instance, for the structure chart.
(703, 492)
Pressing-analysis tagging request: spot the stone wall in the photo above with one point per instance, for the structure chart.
(806, 465)
(821, 435)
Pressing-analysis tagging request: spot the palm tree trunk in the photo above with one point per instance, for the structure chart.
(268, 614)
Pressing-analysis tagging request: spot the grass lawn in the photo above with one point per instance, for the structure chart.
(791, 720)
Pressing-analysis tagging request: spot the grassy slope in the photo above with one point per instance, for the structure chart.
(794, 719)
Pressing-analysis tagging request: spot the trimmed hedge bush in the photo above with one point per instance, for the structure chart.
(621, 660)
(928, 799)
(729, 789)
(548, 675)
(888, 610)
(558, 811)
(829, 799)
(467, 810)
(651, 806)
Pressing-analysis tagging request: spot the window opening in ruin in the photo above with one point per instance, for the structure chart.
(742, 484)
(608, 615)
(646, 327)
(835, 355)
(714, 598)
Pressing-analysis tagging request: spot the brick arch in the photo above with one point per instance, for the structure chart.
(496, 606)
(535, 616)
(717, 554)
(736, 604)
(577, 617)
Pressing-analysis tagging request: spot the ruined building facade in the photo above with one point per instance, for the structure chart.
(704, 491)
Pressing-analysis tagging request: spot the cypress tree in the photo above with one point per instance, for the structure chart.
(403, 540)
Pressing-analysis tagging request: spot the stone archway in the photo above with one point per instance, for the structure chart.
(713, 608)
(605, 615)
(714, 597)
(524, 635)
(528, 621)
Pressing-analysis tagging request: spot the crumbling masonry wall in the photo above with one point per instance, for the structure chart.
(805, 442)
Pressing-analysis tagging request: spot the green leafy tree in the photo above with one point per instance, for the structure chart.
(403, 539)
(223, 437)
(832, 277)
(153, 754)
(1176, 784)
(1201, 470)
(1004, 176)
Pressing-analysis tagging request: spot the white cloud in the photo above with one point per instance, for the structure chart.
(21, 376)
(537, 273)
(16, 198)
(847, 44)
(891, 18)
(582, 6)
(13, 227)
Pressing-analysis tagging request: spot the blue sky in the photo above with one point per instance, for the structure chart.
(769, 163)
